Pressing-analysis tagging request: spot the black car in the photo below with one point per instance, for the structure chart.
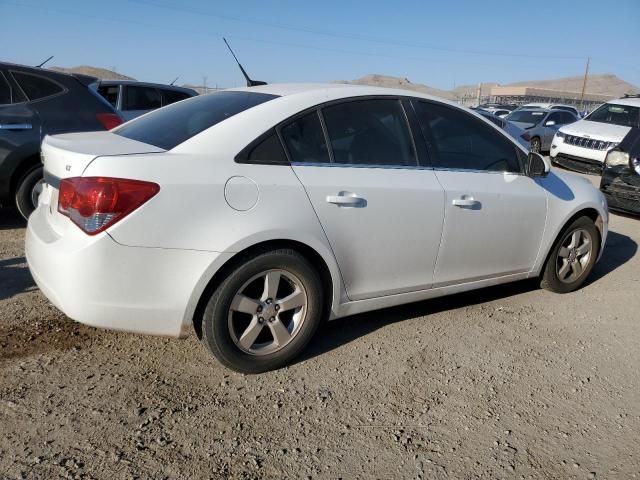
(621, 174)
(35, 102)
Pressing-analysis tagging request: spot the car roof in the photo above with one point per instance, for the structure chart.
(534, 109)
(147, 84)
(46, 71)
(631, 101)
(336, 91)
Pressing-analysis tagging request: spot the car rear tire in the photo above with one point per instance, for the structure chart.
(572, 258)
(264, 313)
(28, 189)
(535, 145)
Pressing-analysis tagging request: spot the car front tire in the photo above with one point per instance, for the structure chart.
(572, 258)
(27, 192)
(264, 313)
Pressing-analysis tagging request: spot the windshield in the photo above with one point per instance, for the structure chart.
(528, 117)
(168, 127)
(624, 115)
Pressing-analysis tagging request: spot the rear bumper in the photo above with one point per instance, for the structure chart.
(621, 187)
(98, 282)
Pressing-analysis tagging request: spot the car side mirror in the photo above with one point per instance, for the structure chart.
(537, 165)
(550, 123)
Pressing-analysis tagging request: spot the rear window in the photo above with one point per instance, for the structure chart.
(110, 93)
(141, 98)
(172, 125)
(36, 87)
(171, 96)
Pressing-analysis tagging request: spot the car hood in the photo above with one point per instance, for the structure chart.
(596, 130)
(522, 125)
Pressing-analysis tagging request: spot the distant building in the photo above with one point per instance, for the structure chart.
(523, 94)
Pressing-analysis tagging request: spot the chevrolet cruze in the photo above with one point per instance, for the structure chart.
(253, 214)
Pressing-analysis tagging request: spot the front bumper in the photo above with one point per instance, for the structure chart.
(577, 164)
(621, 187)
(96, 281)
(579, 159)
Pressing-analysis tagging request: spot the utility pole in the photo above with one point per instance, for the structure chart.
(584, 84)
(479, 93)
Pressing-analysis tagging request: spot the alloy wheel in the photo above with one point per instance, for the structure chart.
(574, 255)
(267, 312)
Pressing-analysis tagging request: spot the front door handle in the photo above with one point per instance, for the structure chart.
(347, 199)
(466, 202)
(15, 126)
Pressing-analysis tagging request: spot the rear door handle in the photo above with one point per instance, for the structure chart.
(466, 202)
(347, 199)
(15, 126)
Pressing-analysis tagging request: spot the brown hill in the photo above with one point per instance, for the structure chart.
(606, 84)
(101, 73)
(396, 82)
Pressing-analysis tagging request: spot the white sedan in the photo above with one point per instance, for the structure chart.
(253, 214)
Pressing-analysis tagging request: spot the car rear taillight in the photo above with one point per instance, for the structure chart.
(96, 203)
(108, 120)
(526, 136)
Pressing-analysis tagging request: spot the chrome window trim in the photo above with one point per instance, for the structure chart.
(403, 167)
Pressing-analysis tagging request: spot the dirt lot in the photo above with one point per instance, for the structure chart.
(508, 382)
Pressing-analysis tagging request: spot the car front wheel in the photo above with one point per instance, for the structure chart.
(573, 257)
(264, 313)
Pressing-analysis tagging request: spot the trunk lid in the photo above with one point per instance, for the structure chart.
(69, 155)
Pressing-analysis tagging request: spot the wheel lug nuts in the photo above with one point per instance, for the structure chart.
(260, 320)
(272, 319)
(259, 309)
(277, 307)
(268, 300)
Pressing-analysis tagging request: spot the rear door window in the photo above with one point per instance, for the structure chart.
(172, 96)
(170, 126)
(110, 93)
(141, 98)
(36, 87)
(305, 140)
(369, 132)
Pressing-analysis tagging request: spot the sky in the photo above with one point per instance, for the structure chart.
(443, 43)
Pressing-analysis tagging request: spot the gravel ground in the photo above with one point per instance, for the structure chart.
(506, 382)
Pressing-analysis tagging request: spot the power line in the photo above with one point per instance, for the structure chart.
(381, 40)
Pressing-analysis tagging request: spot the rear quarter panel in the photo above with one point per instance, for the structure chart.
(192, 211)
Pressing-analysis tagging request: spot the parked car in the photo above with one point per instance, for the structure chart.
(500, 106)
(35, 102)
(551, 106)
(264, 210)
(583, 145)
(540, 124)
(498, 112)
(620, 181)
(132, 99)
(511, 128)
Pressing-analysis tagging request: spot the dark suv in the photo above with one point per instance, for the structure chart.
(33, 103)
(621, 174)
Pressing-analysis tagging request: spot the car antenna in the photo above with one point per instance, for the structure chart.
(40, 66)
(174, 80)
(250, 83)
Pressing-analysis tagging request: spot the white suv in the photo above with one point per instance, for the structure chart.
(583, 145)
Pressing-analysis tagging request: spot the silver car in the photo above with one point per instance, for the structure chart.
(540, 125)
